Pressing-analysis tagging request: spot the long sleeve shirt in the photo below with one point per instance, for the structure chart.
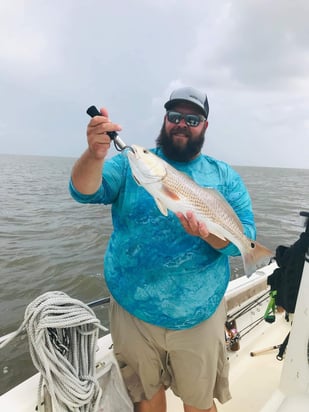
(152, 267)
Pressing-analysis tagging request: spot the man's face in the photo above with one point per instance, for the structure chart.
(182, 142)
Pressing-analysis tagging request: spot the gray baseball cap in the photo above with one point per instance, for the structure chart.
(189, 94)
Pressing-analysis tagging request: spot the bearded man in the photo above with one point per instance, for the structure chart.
(166, 275)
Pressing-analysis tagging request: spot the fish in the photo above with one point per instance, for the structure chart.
(176, 191)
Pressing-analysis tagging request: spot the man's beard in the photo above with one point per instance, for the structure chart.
(176, 152)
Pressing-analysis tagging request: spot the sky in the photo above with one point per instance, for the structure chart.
(251, 57)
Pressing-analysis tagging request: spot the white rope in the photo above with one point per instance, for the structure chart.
(63, 334)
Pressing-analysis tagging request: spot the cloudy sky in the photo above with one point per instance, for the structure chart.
(250, 56)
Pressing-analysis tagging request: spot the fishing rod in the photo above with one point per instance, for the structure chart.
(118, 143)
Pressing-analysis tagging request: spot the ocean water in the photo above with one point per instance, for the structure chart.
(50, 242)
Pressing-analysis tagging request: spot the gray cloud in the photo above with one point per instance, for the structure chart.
(57, 58)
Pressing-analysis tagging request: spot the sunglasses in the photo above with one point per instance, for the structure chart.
(192, 120)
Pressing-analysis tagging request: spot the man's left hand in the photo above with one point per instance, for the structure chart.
(197, 228)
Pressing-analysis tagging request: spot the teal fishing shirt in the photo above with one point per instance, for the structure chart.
(152, 267)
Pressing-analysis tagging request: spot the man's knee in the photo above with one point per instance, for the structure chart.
(155, 404)
(188, 408)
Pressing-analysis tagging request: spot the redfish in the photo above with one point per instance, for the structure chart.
(175, 191)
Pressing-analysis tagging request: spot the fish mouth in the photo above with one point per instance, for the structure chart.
(131, 151)
(134, 151)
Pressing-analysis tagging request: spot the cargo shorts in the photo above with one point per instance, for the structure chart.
(192, 362)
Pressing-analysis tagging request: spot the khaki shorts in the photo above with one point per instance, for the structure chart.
(193, 362)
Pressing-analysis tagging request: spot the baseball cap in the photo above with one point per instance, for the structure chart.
(189, 94)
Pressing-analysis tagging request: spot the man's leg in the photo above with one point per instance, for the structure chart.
(156, 404)
(199, 365)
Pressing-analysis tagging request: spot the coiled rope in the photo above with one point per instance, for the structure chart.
(63, 334)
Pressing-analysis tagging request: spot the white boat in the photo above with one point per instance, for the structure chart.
(261, 378)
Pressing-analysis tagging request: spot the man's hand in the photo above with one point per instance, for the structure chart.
(192, 226)
(196, 228)
(97, 137)
(87, 170)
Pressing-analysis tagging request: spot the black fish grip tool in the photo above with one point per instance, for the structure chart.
(118, 143)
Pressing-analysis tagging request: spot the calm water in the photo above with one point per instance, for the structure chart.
(50, 242)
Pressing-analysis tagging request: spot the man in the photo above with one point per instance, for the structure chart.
(167, 275)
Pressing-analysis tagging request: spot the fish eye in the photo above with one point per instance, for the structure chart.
(145, 151)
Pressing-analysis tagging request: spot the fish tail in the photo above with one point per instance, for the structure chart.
(257, 256)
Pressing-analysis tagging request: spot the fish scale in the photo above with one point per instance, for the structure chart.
(204, 202)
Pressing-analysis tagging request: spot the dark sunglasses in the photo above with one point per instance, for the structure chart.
(192, 120)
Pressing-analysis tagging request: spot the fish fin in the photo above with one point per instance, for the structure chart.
(215, 230)
(161, 207)
(169, 193)
(219, 236)
(257, 256)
